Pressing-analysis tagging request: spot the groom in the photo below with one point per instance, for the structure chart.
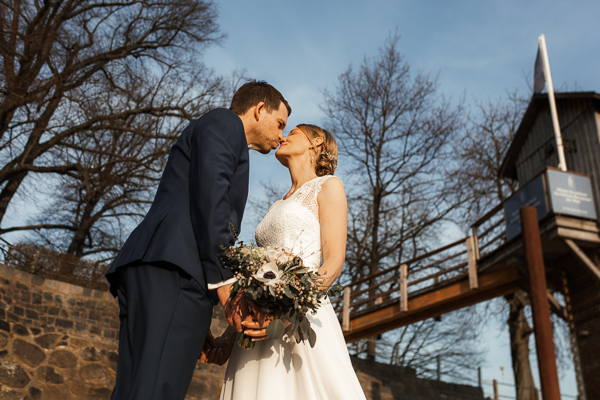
(167, 276)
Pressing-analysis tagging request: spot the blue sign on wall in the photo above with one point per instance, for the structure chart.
(571, 194)
(532, 194)
(561, 193)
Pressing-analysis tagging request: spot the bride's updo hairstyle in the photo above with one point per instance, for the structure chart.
(326, 155)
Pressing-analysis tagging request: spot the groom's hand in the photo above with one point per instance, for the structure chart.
(236, 310)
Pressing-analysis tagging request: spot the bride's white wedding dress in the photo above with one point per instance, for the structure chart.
(283, 369)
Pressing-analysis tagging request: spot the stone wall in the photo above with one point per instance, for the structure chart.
(387, 382)
(59, 342)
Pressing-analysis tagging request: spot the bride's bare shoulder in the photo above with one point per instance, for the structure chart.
(332, 190)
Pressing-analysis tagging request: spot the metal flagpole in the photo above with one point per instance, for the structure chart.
(562, 164)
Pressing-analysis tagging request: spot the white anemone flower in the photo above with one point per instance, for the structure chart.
(269, 274)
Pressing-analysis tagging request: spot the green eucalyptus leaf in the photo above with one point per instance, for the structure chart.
(275, 329)
(312, 336)
(289, 293)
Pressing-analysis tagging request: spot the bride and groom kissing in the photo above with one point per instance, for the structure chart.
(168, 276)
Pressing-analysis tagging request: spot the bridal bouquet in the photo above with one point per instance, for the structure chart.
(280, 283)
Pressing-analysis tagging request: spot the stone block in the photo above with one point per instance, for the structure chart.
(95, 372)
(87, 292)
(20, 330)
(90, 354)
(29, 353)
(4, 326)
(3, 340)
(37, 280)
(110, 334)
(36, 298)
(63, 323)
(49, 375)
(78, 387)
(113, 359)
(75, 290)
(18, 311)
(99, 394)
(9, 394)
(13, 375)
(20, 286)
(25, 297)
(53, 311)
(63, 359)
(34, 394)
(58, 392)
(31, 314)
(90, 305)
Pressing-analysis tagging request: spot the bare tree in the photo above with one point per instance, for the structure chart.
(479, 154)
(72, 69)
(394, 130)
(116, 172)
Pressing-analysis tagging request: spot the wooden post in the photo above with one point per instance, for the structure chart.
(346, 309)
(539, 304)
(404, 288)
(472, 261)
(476, 242)
(496, 396)
(34, 262)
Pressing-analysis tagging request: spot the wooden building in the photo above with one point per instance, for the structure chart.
(531, 152)
(493, 260)
(534, 147)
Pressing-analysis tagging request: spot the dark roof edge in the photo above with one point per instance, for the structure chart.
(537, 102)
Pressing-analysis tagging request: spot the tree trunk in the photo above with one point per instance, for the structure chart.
(8, 192)
(520, 330)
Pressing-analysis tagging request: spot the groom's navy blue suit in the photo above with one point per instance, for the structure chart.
(161, 273)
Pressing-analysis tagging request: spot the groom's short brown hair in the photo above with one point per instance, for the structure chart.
(253, 92)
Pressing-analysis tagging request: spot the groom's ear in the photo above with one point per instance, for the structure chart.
(258, 109)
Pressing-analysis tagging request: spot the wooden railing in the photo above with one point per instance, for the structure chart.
(449, 263)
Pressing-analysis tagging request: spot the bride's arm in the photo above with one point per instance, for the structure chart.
(333, 216)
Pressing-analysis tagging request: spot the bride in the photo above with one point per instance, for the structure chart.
(310, 221)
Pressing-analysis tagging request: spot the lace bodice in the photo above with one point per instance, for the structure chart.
(293, 224)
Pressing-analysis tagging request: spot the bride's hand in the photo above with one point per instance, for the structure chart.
(256, 327)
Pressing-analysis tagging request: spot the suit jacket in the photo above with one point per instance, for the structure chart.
(200, 199)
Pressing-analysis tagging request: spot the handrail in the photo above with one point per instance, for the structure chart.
(411, 261)
(488, 215)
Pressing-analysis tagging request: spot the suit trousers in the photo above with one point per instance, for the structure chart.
(165, 316)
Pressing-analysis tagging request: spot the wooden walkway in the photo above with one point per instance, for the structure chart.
(463, 273)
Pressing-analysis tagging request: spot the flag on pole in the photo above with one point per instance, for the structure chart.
(539, 81)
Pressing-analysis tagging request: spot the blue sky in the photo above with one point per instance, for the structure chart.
(477, 49)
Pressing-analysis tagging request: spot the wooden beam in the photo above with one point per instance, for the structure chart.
(567, 234)
(346, 309)
(434, 303)
(476, 242)
(404, 288)
(472, 262)
(583, 257)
